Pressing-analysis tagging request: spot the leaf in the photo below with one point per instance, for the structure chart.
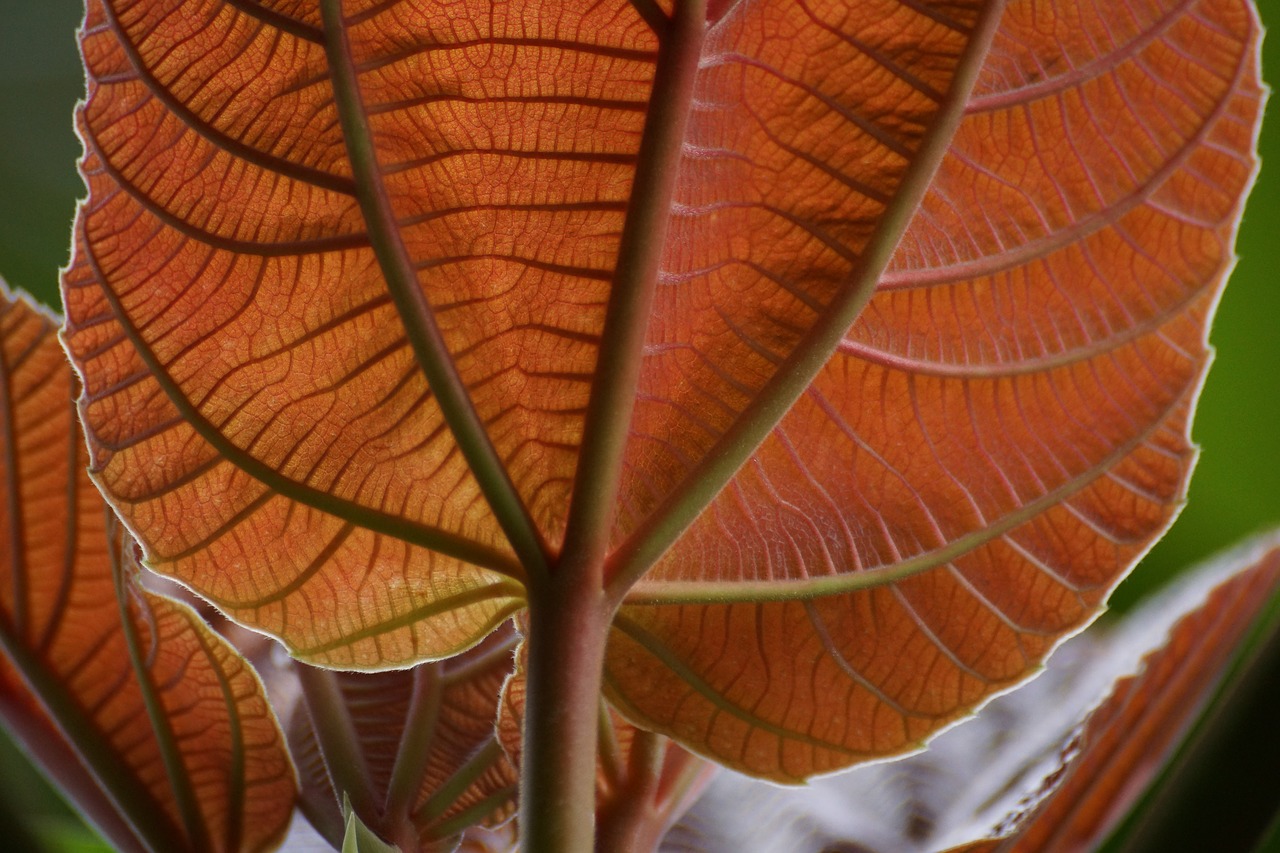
(377, 502)
(180, 749)
(358, 838)
(970, 777)
(1049, 767)
(425, 764)
(323, 339)
(1003, 431)
(1130, 738)
(389, 317)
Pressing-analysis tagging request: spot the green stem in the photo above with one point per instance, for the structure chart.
(568, 625)
(415, 745)
(473, 815)
(569, 616)
(448, 794)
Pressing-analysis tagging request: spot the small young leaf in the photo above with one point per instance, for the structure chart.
(428, 766)
(170, 722)
(357, 837)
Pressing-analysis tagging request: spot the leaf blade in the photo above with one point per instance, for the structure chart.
(415, 313)
(1070, 466)
(1047, 767)
(382, 457)
(663, 526)
(418, 761)
(1129, 739)
(71, 663)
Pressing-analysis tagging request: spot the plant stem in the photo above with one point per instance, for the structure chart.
(568, 624)
(415, 745)
(617, 375)
(568, 613)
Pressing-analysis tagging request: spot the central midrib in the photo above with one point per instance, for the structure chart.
(617, 375)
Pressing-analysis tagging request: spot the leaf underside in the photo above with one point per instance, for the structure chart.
(1007, 420)
(1054, 766)
(426, 741)
(340, 285)
(172, 726)
(1130, 737)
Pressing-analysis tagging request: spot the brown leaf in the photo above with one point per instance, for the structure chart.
(1131, 736)
(388, 314)
(170, 722)
(1050, 766)
(242, 334)
(334, 472)
(427, 754)
(1003, 431)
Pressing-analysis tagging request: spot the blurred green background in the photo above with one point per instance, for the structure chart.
(1236, 489)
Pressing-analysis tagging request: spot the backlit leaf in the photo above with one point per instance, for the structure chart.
(168, 719)
(428, 763)
(387, 312)
(1131, 736)
(1004, 430)
(246, 301)
(1048, 767)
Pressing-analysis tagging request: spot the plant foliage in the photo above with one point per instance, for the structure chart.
(798, 374)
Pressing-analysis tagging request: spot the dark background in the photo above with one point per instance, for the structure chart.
(1236, 489)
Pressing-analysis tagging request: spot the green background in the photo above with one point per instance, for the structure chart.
(1236, 489)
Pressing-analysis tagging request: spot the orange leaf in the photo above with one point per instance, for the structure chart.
(1052, 766)
(1131, 736)
(1003, 431)
(427, 754)
(336, 308)
(168, 719)
(390, 315)
(253, 405)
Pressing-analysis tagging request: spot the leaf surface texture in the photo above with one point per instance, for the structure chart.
(1002, 432)
(172, 725)
(427, 744)
(340, 291)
